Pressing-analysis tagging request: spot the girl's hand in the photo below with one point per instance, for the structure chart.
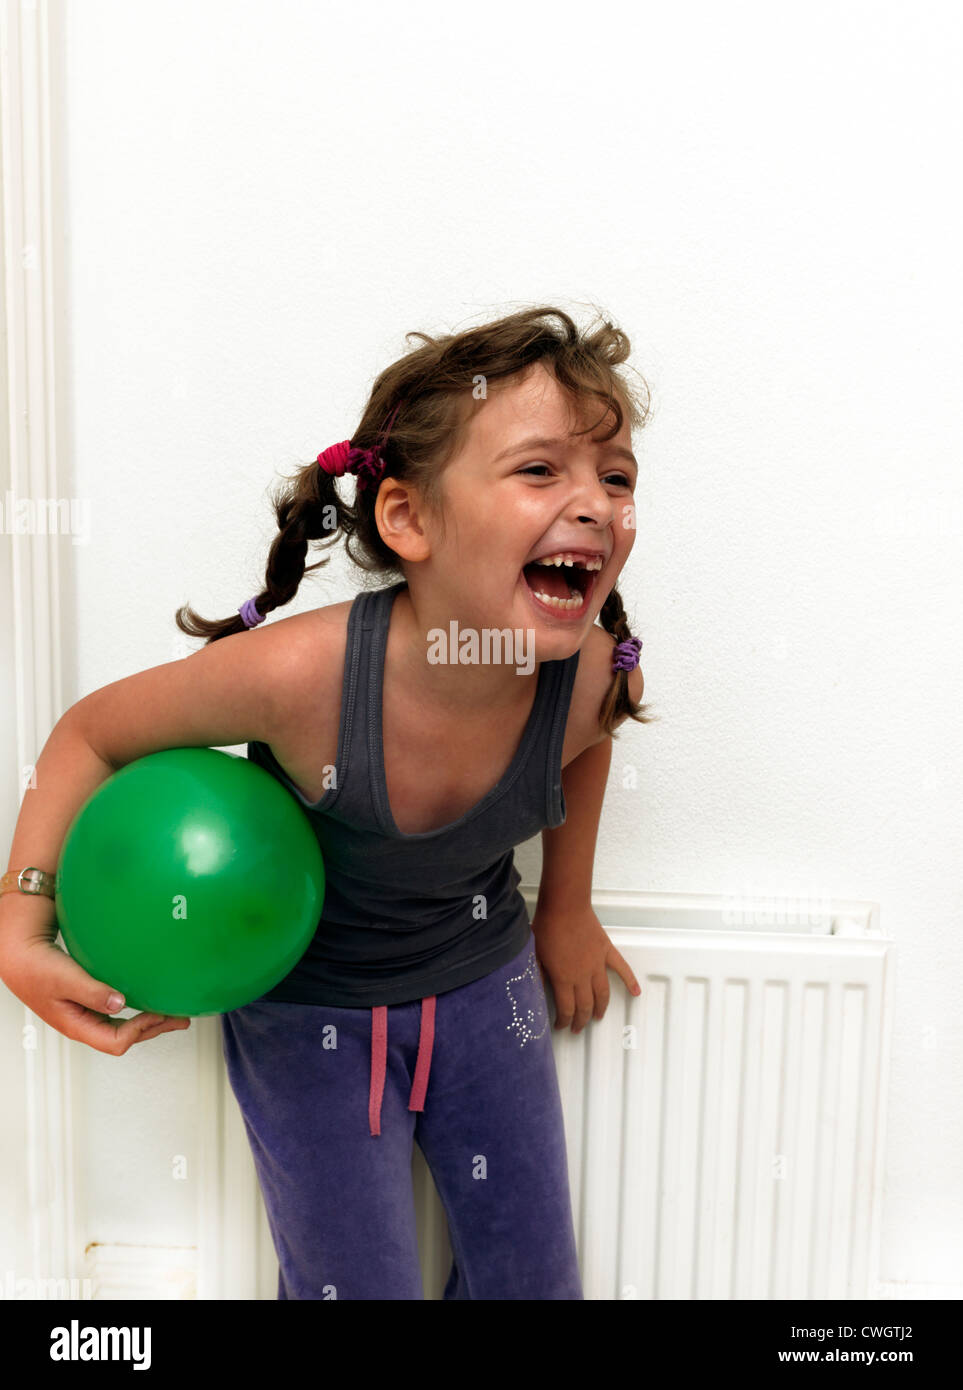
(573, 949)
(60, 991)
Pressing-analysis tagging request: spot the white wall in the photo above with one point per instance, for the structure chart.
(263, 198)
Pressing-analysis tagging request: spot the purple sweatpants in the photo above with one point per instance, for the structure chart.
(470, 1076)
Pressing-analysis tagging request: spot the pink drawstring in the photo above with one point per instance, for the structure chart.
(426, 1039)
(379, 1049)
(379, 1052)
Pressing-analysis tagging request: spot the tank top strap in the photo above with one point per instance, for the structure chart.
(551, 734)
(368, 618)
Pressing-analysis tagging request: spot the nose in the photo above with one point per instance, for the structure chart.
(594, 505)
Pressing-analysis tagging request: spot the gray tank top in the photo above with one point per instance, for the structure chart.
(407, 916)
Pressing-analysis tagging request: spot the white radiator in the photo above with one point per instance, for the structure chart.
(725, 1129)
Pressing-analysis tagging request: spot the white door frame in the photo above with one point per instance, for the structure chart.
(31, 309)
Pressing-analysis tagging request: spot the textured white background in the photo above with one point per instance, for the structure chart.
(263, 198)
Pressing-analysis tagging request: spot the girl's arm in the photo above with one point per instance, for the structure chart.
(573, 949)
(568, 851)
(244, 687)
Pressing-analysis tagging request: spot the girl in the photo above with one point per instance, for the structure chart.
(421, 758)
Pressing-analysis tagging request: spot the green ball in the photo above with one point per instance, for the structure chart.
(191, 880)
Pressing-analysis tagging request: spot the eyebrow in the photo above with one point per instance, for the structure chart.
(548, 443)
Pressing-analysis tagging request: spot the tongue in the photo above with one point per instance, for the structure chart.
(548, 579)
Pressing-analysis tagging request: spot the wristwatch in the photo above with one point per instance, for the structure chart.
(29, 881)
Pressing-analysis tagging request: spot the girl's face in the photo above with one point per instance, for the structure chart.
(523, 489)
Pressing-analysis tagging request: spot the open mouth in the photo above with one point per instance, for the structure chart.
(562, 587)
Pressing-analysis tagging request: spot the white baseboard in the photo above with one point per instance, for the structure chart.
(170, 1272)
(141, 1271)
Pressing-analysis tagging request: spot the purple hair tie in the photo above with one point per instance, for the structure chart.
(249, 613)
(626, 656)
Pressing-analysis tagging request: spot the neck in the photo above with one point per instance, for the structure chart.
(431, 670)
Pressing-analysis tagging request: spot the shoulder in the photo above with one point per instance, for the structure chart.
(592, 681)
(302, 657)
(314, 634)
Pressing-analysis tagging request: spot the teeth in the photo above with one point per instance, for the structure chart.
(568, 559)
(564, 557)
(575, 601)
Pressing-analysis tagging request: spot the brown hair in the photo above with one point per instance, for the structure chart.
(433, 385)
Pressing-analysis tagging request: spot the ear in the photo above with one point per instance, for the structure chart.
(400, 520)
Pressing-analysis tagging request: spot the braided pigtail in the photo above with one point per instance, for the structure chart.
(618, 702)
(308, 509)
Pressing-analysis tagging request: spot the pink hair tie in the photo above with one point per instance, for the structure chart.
(368, 464)
(334, 459)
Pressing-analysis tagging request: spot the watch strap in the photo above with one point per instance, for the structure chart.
(29, 880)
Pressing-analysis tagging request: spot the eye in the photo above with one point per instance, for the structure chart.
(619, 478)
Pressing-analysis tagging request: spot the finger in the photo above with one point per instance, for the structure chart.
(584, 1003)
(111, 1035)
(564, 1004)
(600, 984)
(72, 982)
(148, 1025)
(169, 1024)
(98, 1030)
(617, 962)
